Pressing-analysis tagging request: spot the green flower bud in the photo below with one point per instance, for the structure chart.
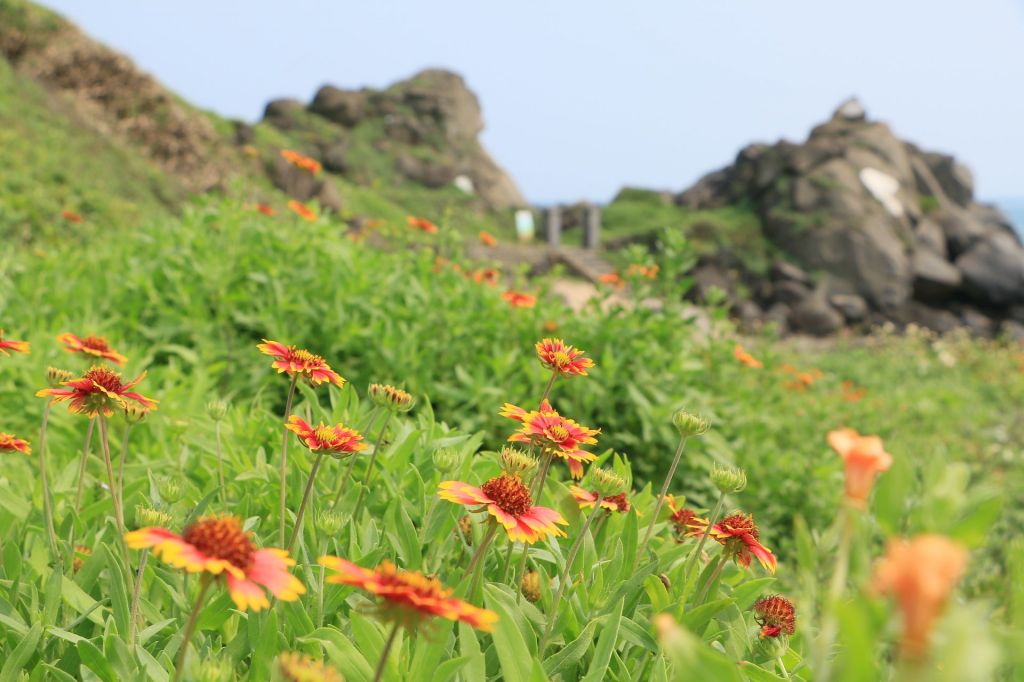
(329, 523)
(216, 669)
(445, 459)
(147, 516)
(171, 489)
(690, 424)
(729, 480)
(515, 461)
(216, 410)
(607, 482)
(134, 413)
(773, 647)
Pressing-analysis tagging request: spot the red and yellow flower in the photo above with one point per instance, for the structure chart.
(586, 499)
(776, 615)
(97, 346)
(337, 440)
(301, 210)
(746, 358)
(9, 442)
(13, 346)
(71, 216)
(265, 209)
(551, 431)
(739, 535)
(865, 457)
(920, 573)
(488, 276)
(421, 224)
(562, 358)
(296, 361)
(301, 161)
(684, 520)
(99, 391)
(487, 239)
(408, 596)
(519, 299)
(218, 546)
(508, 500)
(611, 279)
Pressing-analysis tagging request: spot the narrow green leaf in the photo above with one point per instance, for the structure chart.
(605, 645)
(19, 658)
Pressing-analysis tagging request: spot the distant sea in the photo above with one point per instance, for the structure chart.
(1013, 207)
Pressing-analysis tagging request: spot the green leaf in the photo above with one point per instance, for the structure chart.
(516, 660)
(469, 646)
(93, 659)
(19, 658)
(119, 600)
(745, 593)
(563, 661)
(605, 645)
(756, 673)
(342, 654)
(697, 619)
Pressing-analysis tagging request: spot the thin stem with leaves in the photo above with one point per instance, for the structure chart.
(661, 501)
(284, 459)
(190, 626)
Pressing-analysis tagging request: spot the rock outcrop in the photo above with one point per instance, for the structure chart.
(889, 231)
(428, 125)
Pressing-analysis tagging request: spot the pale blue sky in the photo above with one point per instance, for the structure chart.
(583, 96)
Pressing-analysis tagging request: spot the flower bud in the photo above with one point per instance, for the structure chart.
(171, 490)
(147, 516)
(134, 413)
(690, 424)
(729, 480)
(515, 461)
(773, 647)
(445, 459)
(216, 669)
(530, 586)
(607, 482)
(391, 398)
(466, 528)
(295, 667)
(56, 377)
(329, 523)
(216, 410)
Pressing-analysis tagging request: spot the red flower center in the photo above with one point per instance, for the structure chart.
(775, 615)
(105, 377)
(222, 537)
(738, 525)
(509, 493)
(96, 343)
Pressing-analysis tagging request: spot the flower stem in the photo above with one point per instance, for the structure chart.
(830, 625)
(105, 447)
(306, 494)
(369, 467)
(136, 593)
(220, 464)
(320, 599)
(691, 562)
(566, 572)
(661, 501)
(352, 461)
(284, 458)
(47, 504)
(120, 466)
(81, 467)
(492, 529)
(379, 674)
(782, 668)
(190, 627)
(722, 558)
(547, 389)
(508, 560)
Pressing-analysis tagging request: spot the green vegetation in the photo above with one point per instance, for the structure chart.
(638, 215)
(928, 203)
(189, 299)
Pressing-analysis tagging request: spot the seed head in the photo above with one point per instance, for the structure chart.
(530, 585)
(391, 398)
(690, 424)
(147, 516)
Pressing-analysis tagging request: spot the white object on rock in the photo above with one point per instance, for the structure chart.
(852, 110)
(465, 183)
(883, 187)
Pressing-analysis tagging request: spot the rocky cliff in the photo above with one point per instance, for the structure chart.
(426, 129)
(872, 228)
